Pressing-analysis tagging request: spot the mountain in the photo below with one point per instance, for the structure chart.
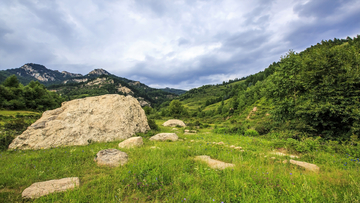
(174, 91)
(31, 71)
(97, 82)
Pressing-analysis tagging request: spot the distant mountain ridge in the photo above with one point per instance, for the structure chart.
(96, 82)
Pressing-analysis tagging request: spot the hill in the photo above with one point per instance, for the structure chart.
(311, 93)
(96, 82)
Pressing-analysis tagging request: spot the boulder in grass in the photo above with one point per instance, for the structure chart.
(103, 118)
(39, 189)
(307, 166)
(131, 142)
(111, 157)
(174, 122)
(212, 163)
(164, 137)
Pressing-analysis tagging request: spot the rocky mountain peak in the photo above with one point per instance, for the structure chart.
(67, 74)
(99, 72)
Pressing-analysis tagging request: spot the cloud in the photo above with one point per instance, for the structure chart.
(181, 44)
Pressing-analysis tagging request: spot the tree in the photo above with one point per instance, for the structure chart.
(11, 81)
(176, 108)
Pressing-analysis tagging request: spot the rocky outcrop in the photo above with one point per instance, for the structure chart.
(307, 166)
(131, 142)
(124, 89)
(212, 163)
(78, 122)
(98, 72)
(164, 137)
(39, 189)
(111, 157)
(174, 122)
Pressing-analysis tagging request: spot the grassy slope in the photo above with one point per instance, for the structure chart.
(199, 99)
(170, 174)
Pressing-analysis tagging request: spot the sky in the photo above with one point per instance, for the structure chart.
(168, 43)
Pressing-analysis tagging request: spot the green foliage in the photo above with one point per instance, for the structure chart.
(320, 89)
(153, 125)
(176, 109)
(34, 96)
(251, 132)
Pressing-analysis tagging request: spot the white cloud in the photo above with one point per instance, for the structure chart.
(180, 43)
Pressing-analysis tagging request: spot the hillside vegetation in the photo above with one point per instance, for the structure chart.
(312, 93)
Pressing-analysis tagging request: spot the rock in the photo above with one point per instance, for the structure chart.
(238, 148)
(111, 157)
(39, 189)
(191, 140)
(164, 136)
(215, 164)
(285, 161)
(273, 158)
(174, 122)
(154, 147)
(307, 166)
(190, 131)
(131, 142)
(232, 146)
(220, 143)
(174, 129)
(282, 154)
(78, 122)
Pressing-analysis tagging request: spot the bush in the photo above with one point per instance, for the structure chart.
(153, 125)
(5, 140)
(251, 132)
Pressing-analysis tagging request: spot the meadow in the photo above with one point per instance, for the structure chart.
(169, 173)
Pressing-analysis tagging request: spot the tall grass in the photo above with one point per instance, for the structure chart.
(170, 173)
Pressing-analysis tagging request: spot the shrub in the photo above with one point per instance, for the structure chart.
(153, 125)
(251, 132)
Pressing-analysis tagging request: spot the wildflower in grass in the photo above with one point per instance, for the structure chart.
(290, 173)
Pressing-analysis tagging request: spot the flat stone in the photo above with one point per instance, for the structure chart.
(238, 148)
(220, 143)
(307, 166)
(282, 154)
(131, 142)
(212, 163)
(40, 189)
(174, 122)
(164, 137)
(154, 147)
(111, 157)
(232, 146)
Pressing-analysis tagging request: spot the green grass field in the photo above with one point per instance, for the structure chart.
(170, 173)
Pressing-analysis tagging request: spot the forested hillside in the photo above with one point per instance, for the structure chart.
(314, 93)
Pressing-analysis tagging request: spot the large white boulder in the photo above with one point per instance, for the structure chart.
(78, 122)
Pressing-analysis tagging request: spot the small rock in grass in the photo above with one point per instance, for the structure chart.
(220, 143)
(111, 157)
(215, 164)
(307, 166)
(191, 140)
(273, 158)
(164, 137)
(131, 142)
(39, 189)
(238, 148)
(232, 146)
(154, 147)
(174, 122)
(285, 161)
